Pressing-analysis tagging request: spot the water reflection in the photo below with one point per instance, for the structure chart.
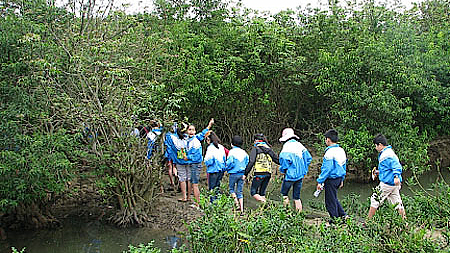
(80, 236)
(173, 241)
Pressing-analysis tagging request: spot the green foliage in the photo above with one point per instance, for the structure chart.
(430, 209)
(272, 228)
(391, 232)
(14, 250)
(268, 228)
(36, 170)
(362, 69)
(149, 248)
(373, 85)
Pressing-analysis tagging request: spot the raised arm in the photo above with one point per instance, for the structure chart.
(201, 136)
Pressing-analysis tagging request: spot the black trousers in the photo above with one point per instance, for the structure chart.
(334, 208)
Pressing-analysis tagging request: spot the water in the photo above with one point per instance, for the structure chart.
(78, 236)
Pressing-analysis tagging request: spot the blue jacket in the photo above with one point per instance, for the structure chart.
(237, 161)
(194, 147)
(334, 164)
(152, 136)
(177, 145)
(389, 166)
(294, 160)
(215, 159)
(171, 151)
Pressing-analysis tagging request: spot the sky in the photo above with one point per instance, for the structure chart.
(273, 6)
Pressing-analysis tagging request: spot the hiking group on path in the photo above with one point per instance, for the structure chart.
(184, 158)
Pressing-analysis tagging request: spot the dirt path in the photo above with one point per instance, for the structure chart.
(169, 214)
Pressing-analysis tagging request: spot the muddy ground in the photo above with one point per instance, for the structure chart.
(86, 202)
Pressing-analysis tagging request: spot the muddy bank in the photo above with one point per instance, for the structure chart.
(439, 152)
(167, 213)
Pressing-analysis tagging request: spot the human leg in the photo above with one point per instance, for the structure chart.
(196, 190)
(176, 179)
(340, 210)
(213, 180)
(189, 190)
(241, 204)
(264, 184)
(195, 176)
(382, 191)
(296, 188)
(372, 211)
(285, 187)
(395, 198)
(239, 195)
(183, 172)
(255, 189)
(331, 197)
(171, 173)
(219, 179)
(213, 184)
(233, 179)
(183, 185)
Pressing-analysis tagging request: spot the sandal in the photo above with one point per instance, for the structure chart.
(183, 200)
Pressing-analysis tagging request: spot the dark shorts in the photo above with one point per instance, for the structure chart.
(214, 180)
(296, 188)
(259, 185)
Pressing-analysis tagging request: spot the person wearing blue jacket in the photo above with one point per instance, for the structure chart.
(169, 154)
(152, 137)
(215, 163)
(195, 157)
(237, 161)
(332, 174)
(177, 153)
(390, 175)
(294, 163)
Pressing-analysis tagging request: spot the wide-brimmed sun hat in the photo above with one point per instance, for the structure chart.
(287, 134)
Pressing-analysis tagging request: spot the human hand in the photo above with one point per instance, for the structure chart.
(243, 177)
(342, 184)
(319, 187)
(211, 122)
(397, 181)
(375, 173)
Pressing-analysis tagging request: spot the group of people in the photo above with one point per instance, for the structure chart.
(184, 155)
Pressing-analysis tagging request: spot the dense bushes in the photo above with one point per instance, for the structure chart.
(273, 228)
(361, 69)
(33, 174)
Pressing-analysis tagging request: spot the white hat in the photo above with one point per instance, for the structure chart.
(287, 134)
